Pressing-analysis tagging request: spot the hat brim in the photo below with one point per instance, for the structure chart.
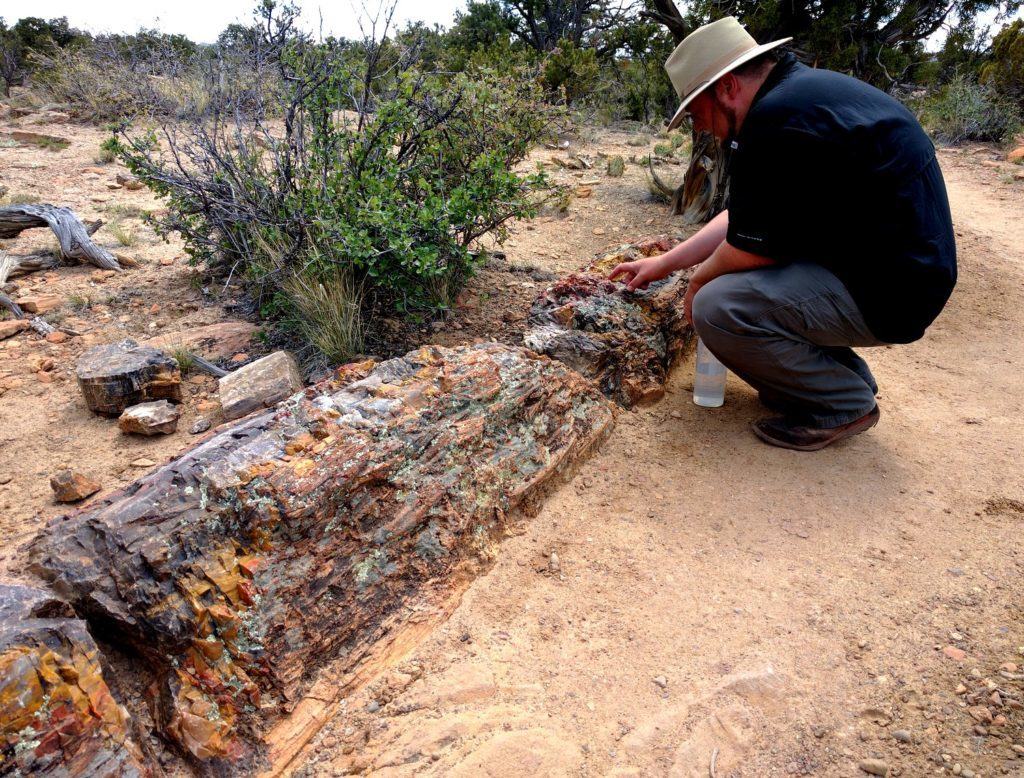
(757, 51)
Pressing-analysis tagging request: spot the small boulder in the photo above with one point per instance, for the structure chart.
(260, 384)
(69, 486)
(201, 425)
(153, 418)
(1017, 155)
(12, 327)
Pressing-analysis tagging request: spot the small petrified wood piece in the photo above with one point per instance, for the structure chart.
(625, 341)
(260, 384)
(302, 534)
(57, 717)
(69, 486)
(153, 418)
(118, 375)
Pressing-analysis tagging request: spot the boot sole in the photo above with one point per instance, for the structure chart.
(849, 432)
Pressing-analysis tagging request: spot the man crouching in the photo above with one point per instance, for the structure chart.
(837, 234)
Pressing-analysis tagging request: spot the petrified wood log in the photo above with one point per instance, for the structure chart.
(118, 375)
(71, 233)
(57, 717)
(625, 341)
(285, 540)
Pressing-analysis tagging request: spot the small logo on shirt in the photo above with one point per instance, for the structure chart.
(754, 238)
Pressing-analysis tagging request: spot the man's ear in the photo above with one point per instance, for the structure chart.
(729, 85)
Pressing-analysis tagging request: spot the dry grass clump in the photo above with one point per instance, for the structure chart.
(124, 234)
(329, 314)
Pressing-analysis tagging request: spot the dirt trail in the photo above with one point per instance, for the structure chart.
(783, 612)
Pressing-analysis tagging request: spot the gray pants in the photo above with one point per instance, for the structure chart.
(787, 332)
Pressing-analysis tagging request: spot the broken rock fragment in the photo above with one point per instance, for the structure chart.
(259, 384)
(69, 486)
(305, 533)
(625, 341)
(57, 716)
(12, 327)
(39, 303)
(118, 375)
(153, 418)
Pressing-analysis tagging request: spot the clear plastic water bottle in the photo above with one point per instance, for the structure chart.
(709, 382)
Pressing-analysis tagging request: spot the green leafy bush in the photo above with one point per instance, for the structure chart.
(963, 110)
(374, 190)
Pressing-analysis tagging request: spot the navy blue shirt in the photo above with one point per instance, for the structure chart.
(830, 170)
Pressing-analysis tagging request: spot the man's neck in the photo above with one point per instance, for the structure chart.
(751, 86)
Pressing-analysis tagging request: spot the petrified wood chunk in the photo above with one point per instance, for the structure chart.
(56, 713)
(282, 542)
(69, 486)
(625, 341)
(153, 418)
(118, 375)
(260, 384)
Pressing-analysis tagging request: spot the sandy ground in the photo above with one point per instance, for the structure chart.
(778, 612)
(710, 599)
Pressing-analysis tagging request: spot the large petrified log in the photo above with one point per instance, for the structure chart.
(57, 717)
(285, 540)
(625, 341)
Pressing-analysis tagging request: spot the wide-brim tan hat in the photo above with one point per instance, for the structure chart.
(707, 54)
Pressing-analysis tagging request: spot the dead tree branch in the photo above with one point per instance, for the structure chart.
(75, 242)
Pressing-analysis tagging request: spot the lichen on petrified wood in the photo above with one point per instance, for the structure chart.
(57, 716)
(624, 341)
(285, 540)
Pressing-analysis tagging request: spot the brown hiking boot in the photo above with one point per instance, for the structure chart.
(786, 433)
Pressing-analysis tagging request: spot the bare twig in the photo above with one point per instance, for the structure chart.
(207, 367)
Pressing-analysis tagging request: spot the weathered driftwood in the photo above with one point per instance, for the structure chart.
(57, 716)
(624, 341)
(73, 236)
(304, 533)
(118, 375)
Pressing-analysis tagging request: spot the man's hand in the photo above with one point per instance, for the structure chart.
(640, 273)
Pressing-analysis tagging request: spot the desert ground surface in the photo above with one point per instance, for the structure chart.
(693, 602)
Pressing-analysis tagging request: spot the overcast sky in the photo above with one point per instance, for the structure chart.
(202, 20)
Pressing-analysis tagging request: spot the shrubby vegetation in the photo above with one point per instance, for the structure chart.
(368, 196)
(965, 110)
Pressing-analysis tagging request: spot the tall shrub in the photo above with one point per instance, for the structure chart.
(377, 181)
